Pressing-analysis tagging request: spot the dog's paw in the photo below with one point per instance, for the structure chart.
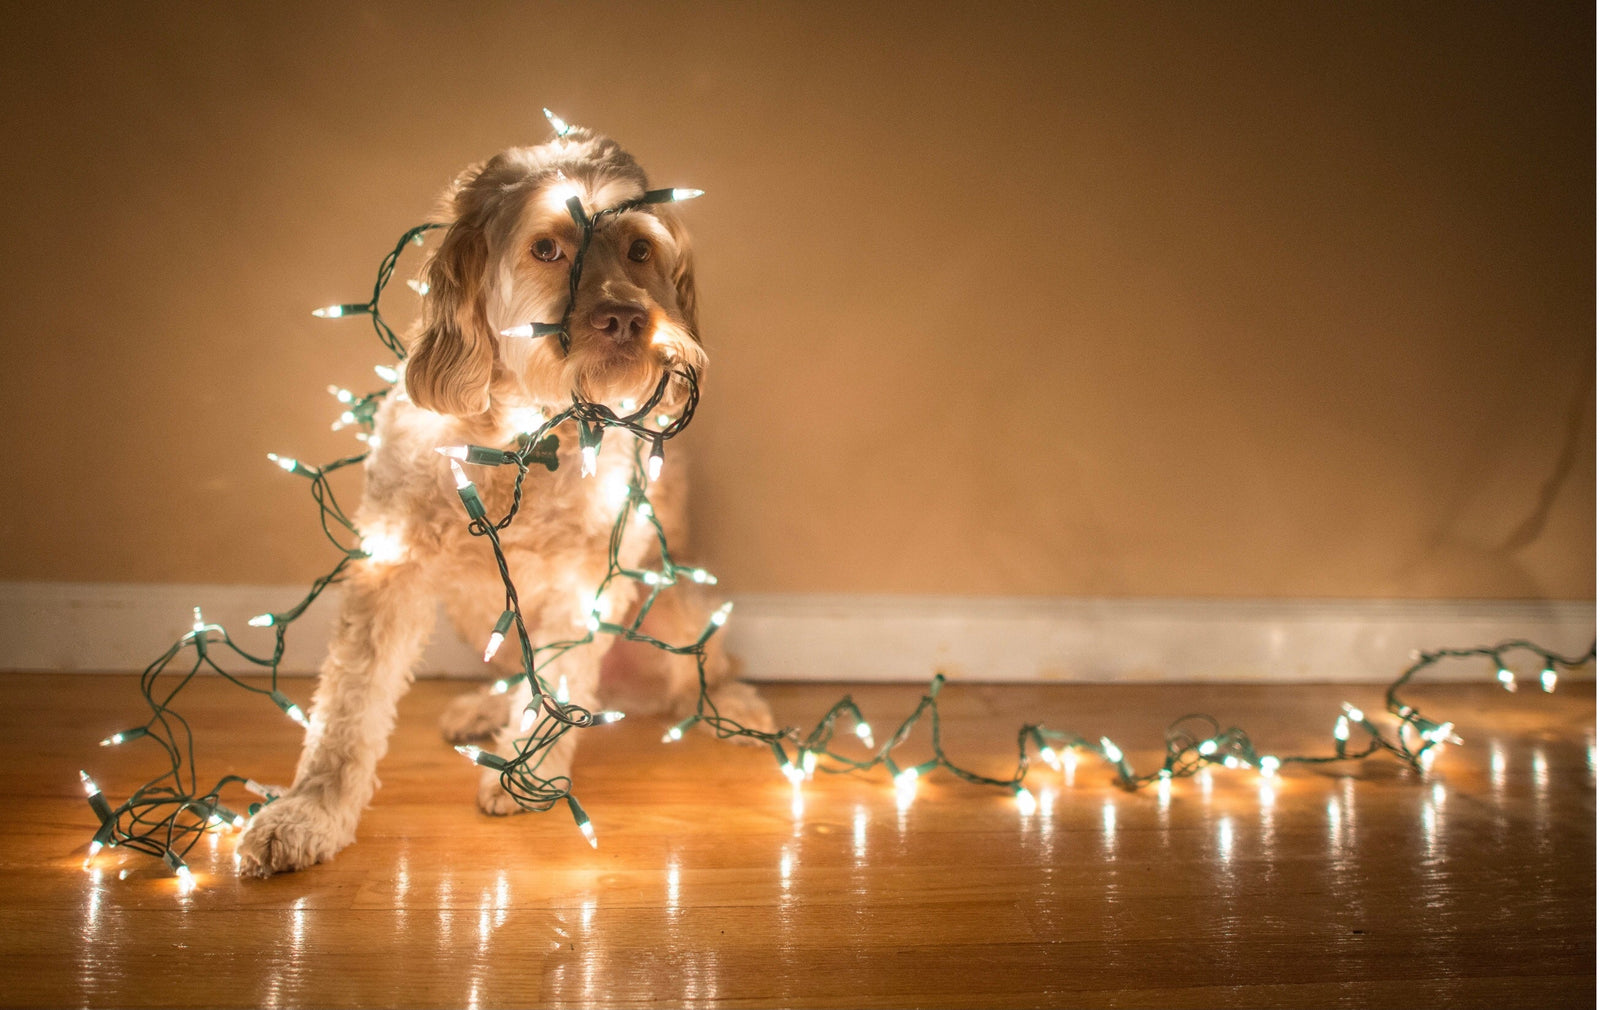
(492, 796)
(289, 833)
(741, 703)
(474, 716)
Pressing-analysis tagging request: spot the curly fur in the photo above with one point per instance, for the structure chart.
(465, 383)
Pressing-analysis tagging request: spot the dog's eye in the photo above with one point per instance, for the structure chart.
(639, 252)
(546, 249)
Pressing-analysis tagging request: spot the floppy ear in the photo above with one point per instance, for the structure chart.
(683, 274)
(453, 360)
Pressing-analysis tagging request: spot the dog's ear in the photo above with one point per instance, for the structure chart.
(683, 273)
(452, 362)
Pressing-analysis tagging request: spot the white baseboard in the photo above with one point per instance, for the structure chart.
(109, 627)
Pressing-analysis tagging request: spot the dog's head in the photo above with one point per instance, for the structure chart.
(506, 259)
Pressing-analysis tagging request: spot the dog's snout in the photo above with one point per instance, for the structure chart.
(621, 321)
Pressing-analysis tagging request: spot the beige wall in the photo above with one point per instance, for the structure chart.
(1102, 299)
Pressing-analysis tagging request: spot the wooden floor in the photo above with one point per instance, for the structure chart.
(712, 883)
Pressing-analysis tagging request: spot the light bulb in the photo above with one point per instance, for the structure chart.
(89, 788)
(563, 695)
(531, 330)
(687, 194)
(420, 287)
(905, 784)
(529, 716)
(1547, 679)
(721, 616)
(1355, 714)
(557, 123)
(1508, 680)
(499, 687)
(1341, 729)
(590, 461)
(864, 733)
(1025, 802)
(263, 621)
(609, 716)
(793, 774)
(1047, 754)
(386, 373)
(341, 394)
(1269, 765)
(808, 762)
(498, 635)
(1112, 751)
(1208, 748)
(653, 464)
(470, 752)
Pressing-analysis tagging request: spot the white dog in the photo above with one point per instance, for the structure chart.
(504, 261)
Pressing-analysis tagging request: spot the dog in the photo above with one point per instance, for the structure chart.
(504, 261)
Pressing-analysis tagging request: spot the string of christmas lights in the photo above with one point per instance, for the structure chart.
(168, 815)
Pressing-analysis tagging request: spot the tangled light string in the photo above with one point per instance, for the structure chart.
(168, 815)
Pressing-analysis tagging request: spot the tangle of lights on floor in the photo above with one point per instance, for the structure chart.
(168, 815)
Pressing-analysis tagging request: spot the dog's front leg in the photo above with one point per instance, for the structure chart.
(383, 622)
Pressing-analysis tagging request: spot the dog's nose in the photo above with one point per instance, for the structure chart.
(621, 321)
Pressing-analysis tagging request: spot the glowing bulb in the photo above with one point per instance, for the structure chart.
(1230, 762)
(452, 452)
(89, 788)
(1047, 754)
(1355, 714)
(111, 740)
(293, 712)
(808, 762)
(263, 621)
(557, 123)
(645, 511)
(341, 394)
(498, 635)
(653, 464)
(1025, 802)
(662, 420)
(420, 287)
(1508, 680)
(1547, 679)
(470, 752)
(793, 774)
(526, 419)
(1341, 729)
(672, 735)
(328, 312)
(652, 579)
(583, 822)
(588, 834)
(864, 733)
(499, 687)
(185, 879)
(462, 481)
(609, 716)
(1208, 748)
(383, 548)
(386, 373)
(529, 715)
(1269, 765)
(283, 461)
(563, 696)
(687, 194)
(1112, 751)
(94, 850)
(721, 616)
(590, 460)
(905, 785)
